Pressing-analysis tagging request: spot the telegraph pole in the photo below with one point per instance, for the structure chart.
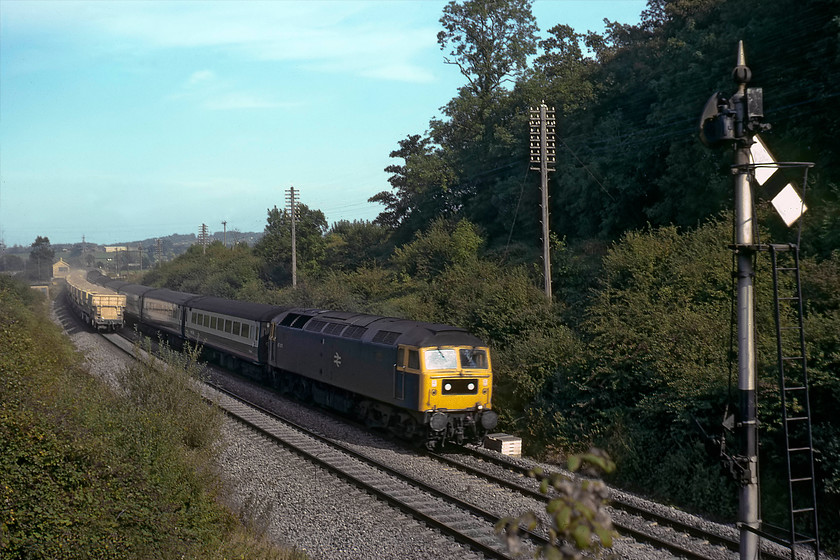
(542, 124)
(202, 238)
(224, 225)
(158, 250)
(291, 207)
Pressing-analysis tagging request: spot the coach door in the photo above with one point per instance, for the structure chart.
(399, 374)
(272, 343)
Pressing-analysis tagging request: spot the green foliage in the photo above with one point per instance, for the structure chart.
(659, 329)
(439, 247)
(41, 259)
(218, 271)
(577, 512)
(422, 188)
(274, 248)
(489, 40)
(91, 474)
(351, 245)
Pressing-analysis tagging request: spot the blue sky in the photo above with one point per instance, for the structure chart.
(125, 120)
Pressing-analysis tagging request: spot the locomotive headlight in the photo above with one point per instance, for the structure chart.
(447, 387)
(471, 386)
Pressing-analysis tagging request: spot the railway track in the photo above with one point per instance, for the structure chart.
(678, 537)
(465, 522)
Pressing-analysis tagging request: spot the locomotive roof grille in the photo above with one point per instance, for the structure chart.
(386, 337)
(354, 332)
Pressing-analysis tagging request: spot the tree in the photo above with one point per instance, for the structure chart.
(11, 262)
(421, 188)
(489, 40)
(441, 246)
(275, 247)
(41, 259)
(351, 245)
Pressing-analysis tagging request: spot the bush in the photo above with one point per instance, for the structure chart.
(91, 474)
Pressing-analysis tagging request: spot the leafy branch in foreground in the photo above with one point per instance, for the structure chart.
(576, 514)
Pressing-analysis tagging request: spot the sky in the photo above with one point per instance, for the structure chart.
(126, 120)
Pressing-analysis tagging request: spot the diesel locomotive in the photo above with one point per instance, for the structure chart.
(422, 381)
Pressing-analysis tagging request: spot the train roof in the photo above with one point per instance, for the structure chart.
(243, 309)
(95, 276)
(167, 295)
(389, 331)
(133, 289)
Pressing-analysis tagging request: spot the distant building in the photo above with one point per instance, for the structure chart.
(61, 269)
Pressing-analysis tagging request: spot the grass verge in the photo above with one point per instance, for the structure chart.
(85, 473)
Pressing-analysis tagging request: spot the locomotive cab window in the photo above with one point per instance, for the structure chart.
(473, 358)
(413, 359)
(440, 358)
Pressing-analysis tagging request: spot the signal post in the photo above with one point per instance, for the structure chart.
(737, 120)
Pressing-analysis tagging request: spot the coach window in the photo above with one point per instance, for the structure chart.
(236, 328)
(246, 330)
(207, 320)
(228, 325)
(213, 323)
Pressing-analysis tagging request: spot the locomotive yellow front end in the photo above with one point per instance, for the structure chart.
(456, 384)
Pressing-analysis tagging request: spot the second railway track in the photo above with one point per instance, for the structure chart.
(426, 499)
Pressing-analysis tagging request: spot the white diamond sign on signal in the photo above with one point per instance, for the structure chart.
(787, 202)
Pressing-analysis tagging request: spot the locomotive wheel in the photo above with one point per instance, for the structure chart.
(301, 391)
(408, 427)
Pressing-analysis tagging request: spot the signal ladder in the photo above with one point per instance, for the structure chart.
(795, 403)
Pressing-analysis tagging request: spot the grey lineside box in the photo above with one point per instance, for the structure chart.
(504, 444)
